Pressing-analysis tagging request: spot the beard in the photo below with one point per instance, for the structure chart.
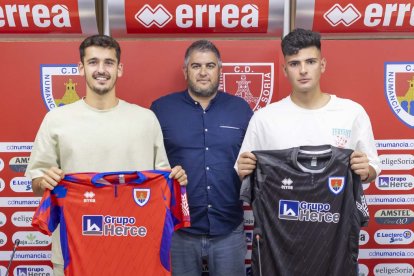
(207, 92)
(101, 90)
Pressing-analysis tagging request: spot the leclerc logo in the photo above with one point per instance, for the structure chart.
(28, 17)
(346, 16)
(168, 16)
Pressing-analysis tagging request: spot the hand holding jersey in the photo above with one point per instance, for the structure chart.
(246, 164)
(359, 161)
(54, 175)
(360, 165)
(48, 181)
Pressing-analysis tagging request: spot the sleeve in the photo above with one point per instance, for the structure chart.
(44, 153)
(366, 142)
(180, 208)
(251, 139)
(360, 201)
(160, 155)
(256, 181)
(46, 217)
(246, 189)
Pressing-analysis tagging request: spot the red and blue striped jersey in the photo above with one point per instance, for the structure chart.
(115, 223)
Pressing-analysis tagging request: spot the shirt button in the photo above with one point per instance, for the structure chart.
(206, 148)
(209, 206)
(195, 103)
(207, 168)
(208, 187)
(204, 112)
(205, 129)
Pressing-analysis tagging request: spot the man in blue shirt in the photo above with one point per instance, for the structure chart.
(203, 130)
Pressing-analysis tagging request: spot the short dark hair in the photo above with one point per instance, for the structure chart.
(299, 39)
(100, 41)
(202, 46)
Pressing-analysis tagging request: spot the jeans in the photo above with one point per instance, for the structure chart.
(225, 254)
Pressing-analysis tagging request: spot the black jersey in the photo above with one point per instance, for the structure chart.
(308, 208)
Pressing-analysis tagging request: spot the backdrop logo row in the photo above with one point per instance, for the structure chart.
(251, 81)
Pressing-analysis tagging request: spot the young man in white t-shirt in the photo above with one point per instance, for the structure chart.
(308, 116)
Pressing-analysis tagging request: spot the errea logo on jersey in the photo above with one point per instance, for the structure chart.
(287, 184)
(89, 197)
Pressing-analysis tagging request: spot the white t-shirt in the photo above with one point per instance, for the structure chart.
(341, 123)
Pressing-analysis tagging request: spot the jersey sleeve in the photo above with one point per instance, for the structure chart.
(46, 217)
(179, 206)
(360, 200)
(246, 189)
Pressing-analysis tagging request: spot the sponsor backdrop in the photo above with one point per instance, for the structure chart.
(43, 75)
(379, 74)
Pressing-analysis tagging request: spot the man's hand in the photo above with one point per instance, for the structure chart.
(359, 164)
(179, 174)
(48, 181)
(246, 164)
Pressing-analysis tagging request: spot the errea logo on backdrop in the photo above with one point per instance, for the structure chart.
(372, 15)
(37, 15)
(159, 16)
(192, 16)
(337, 15)
(202, 15)
(28, 17)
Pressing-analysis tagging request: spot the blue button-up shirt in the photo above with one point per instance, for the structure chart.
(206, 144)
